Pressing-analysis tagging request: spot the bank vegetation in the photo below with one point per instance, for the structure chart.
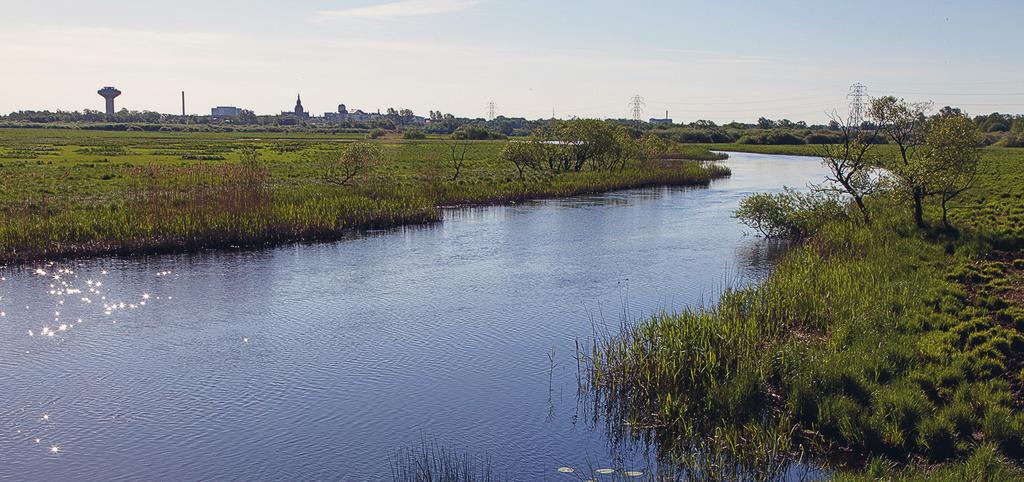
(887, 344)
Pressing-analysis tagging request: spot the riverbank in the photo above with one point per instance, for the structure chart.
(74, 193)
(880, 350)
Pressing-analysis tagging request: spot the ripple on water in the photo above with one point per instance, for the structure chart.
(354, 348)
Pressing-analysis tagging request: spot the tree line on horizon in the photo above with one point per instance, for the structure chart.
(1005, 130)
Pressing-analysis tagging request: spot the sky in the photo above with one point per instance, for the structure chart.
(720, 60)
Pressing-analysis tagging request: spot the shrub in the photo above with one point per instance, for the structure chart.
(693, 137)
(414, 134)
(772, 138)
(475, 133)
(823, 138)
(376, 133)
(790, 214)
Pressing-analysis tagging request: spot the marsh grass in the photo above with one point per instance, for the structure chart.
(865, 342)
(431, 461)
(135, 193)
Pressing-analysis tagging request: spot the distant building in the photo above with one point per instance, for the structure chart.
(225, 111)
(665, 120)
(344, 115)
(299, 111)
(340, 116)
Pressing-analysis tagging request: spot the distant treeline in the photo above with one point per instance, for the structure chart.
(1005, 130)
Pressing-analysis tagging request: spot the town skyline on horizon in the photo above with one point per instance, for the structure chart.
(532, 59)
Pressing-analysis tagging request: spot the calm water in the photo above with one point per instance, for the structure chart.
(319, 361)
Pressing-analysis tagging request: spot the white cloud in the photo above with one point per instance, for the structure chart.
(403, 8)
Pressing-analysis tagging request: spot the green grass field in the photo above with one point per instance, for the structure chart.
(80, 192)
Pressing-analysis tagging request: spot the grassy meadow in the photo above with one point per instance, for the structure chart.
(880, 351)
(78, 192)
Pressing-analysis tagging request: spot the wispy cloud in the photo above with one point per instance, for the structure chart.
(402, 8)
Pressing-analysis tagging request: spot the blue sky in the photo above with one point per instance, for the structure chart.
(722, 60)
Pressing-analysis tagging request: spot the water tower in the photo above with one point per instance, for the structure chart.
(109, 93)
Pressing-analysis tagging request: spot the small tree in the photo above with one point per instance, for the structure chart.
(623, 149)
(951, 157)
(583, 141)
(357, 159)
(654, 146)
(522, 154)
(850, 164)
(904, 124)
(457, 148)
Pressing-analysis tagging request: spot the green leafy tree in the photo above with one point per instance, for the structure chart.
(950, 158)
(1018, 127)
(624, 149)
(583, 142)
(653, 146)
(523, 155)
(904, 124)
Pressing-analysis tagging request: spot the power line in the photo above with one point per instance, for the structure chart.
(636, 105)
(957, 94)
(746, 102)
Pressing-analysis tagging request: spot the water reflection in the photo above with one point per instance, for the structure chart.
(316, 361)
(757, 256)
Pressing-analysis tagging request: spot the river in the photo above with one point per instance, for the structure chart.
(319, 361)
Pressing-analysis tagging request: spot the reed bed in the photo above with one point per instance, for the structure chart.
(168, 209)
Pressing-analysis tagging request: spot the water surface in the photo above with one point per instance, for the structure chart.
(319, 361)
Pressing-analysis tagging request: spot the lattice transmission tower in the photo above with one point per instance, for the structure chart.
(636, 106)
(492, 108)
(858, 105)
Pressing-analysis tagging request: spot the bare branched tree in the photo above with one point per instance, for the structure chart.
(850, 164)
(340, 168)
(457, 148)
